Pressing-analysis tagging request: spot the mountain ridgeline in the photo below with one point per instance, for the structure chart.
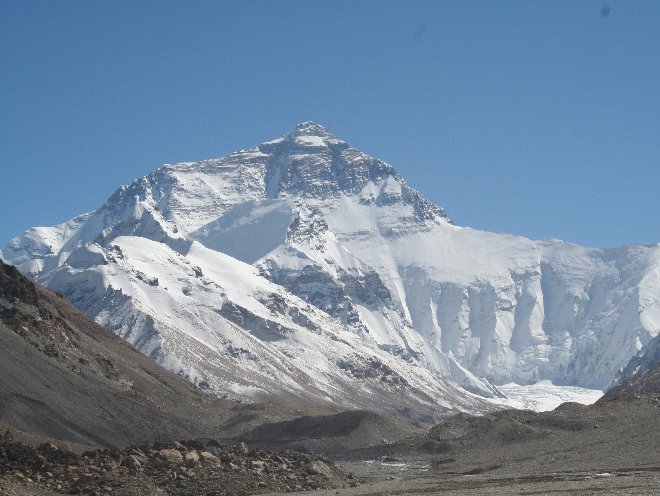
(303, 269)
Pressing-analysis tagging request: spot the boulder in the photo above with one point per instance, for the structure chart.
(208, 457)
(191, 457)
(171, 455)
(319, 468)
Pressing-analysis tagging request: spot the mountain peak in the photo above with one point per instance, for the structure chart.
(310, 136)
(310, 128)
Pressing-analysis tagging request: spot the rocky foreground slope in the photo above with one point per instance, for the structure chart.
(188, 468)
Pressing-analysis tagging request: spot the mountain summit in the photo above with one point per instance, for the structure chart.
(310, 128)
(306, 136)
(305, 268)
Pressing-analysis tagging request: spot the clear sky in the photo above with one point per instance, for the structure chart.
(538, 118)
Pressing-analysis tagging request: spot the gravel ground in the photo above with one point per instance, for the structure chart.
(187, 468)
(633, 483)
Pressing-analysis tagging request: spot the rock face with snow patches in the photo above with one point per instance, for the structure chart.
(645, 359)
(305, 268)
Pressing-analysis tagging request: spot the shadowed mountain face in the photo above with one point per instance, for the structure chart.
(64, 376)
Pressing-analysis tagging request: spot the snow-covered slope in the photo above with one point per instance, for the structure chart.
(305, 267)
(215, 320)
(649, 355)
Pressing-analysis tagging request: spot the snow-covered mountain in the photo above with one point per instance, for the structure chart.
(304, 267)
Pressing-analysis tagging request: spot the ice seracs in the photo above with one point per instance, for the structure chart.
(304, 267)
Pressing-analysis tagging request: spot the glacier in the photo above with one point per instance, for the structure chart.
(303, 269)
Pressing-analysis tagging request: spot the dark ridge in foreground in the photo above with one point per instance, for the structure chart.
(336, 436)
(65, 377)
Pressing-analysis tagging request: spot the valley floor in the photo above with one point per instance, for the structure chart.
(610, 448)
(633, 482)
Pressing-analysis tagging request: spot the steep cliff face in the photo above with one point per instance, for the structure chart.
(301, 265)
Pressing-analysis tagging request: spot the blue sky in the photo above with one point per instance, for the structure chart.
(534, 118)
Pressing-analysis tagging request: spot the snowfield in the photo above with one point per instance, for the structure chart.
(304, 269)
(545, 396)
